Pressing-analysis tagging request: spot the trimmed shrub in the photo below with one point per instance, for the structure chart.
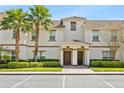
(102, 60)
(112, 64)
(18, 65)
(31, 64)
(23, 60)
(95, 64)
(6, 58)
(51, 64)
(35, 64)
(3, 65)
(45, 60)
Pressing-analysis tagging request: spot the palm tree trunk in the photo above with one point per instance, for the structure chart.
(37, 42)
(17, 44)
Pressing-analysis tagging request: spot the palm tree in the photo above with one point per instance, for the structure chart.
(15, 19)
(40, 18)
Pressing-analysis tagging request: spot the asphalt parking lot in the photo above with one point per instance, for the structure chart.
(61, 81)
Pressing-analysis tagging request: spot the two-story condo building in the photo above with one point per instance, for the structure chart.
(73, 40)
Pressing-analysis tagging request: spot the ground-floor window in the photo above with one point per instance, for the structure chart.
(41, 55)
(107, 55)
(13, 55)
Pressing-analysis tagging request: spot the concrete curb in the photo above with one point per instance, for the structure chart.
(61, 73)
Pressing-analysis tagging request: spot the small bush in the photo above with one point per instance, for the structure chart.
(35, 64)
(3, 65)
(23, 60)
(18, 65)
(95, 64)
(51, 64)
(6, 57)
(112, 64)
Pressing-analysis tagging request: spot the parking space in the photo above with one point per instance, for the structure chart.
(61, 81)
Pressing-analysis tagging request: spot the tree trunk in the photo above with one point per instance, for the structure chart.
(37, 42)
(113, 55)
(17, 44)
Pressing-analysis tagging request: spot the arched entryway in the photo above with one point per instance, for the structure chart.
(74, 53)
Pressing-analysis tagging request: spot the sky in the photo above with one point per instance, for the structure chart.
(91, 12)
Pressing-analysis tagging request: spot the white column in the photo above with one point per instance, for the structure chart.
(61, 57)
(74, 57)
(87, 59)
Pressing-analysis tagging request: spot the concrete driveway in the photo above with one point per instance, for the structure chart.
(61, 81)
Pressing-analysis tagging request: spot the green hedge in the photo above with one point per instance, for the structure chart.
(44, 60)
(35, 64)
(18, 65)
(3, 65)
(38, 60)
(113, 64)
(30, 64)
(102, 60)
(51, 64)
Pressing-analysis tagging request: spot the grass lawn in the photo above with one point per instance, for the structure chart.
(30, 69)
(108, 69)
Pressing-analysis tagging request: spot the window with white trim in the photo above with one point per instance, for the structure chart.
(107, 55)
(33, 36)
(95, 35)
(41, 55)
(52, 36)
(13, 55)
(73, 26)
(14, 35)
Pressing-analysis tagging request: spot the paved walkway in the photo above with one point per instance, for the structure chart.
(76, 69)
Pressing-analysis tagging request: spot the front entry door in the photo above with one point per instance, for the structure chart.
(67, 57)
(80, 58)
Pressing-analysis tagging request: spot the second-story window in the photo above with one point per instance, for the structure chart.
(95, 35)
(52, 35)
(33, 36)
(73, 26)
(14, 35)
(114, 35)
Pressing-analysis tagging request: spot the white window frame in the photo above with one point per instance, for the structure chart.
(73, 26)
(33, 36)
(52, 35)
(95, 37)
(114, 35)
(107, 55)
(14, 34)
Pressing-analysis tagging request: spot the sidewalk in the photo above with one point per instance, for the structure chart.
(66, 71)
(61, 73)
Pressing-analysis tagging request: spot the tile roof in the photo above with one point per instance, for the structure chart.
(74, 42)
(73, 17)
(104, 24)
(57, 24)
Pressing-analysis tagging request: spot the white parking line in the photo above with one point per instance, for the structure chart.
(63, 84)
(21, 82)
(107, 83)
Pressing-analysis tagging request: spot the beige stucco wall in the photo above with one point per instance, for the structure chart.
(83, 33)
(96, 53)
(71, 35)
